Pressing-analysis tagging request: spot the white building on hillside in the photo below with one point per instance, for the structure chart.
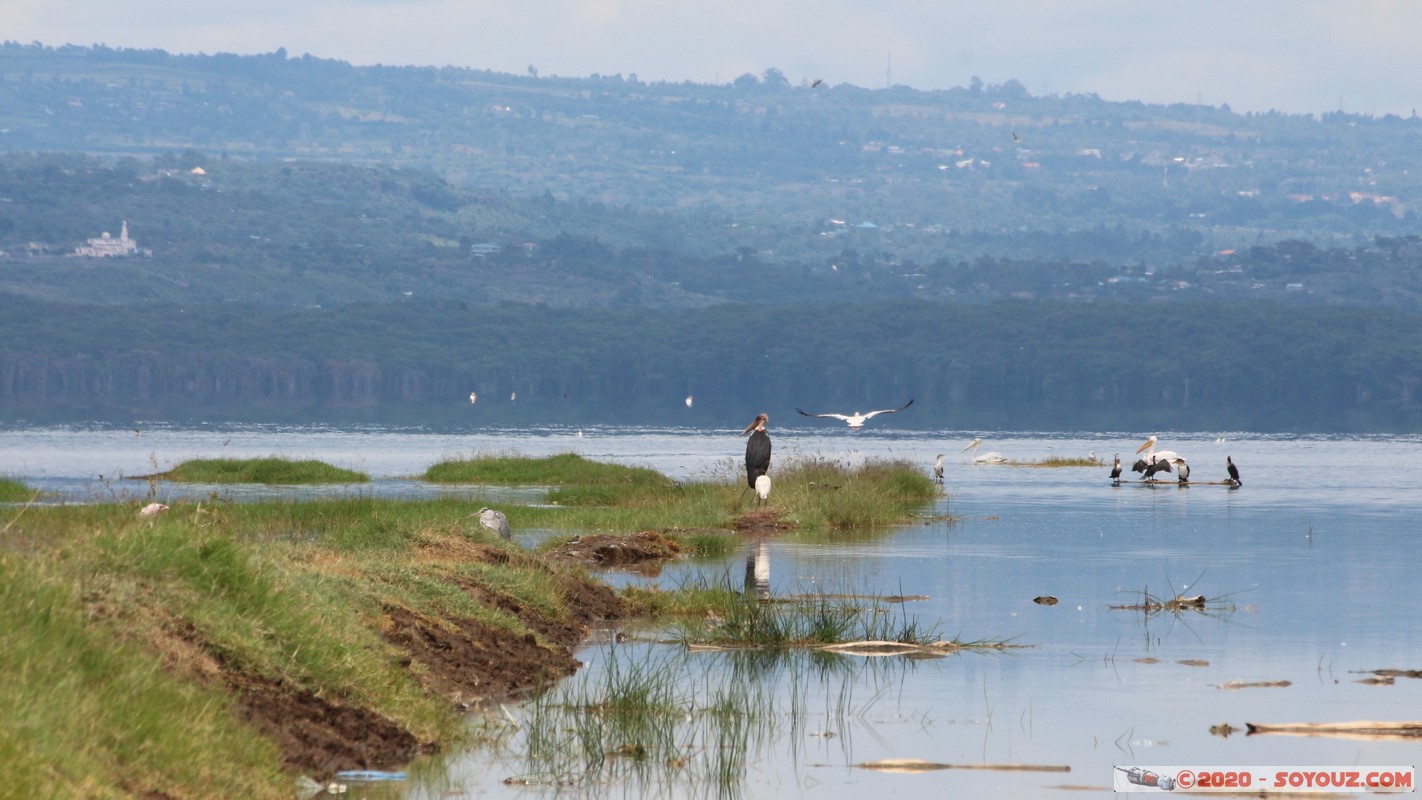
(107, 246)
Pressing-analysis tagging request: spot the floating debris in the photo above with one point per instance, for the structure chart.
(1236, 684)
(1223, 730)
(1045, 600)
(919, 765)
(1193, 662)
(1395, 673)
(1364, 729)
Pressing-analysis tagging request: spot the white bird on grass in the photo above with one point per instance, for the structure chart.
(762, 490)
(151, 510)
(496, 522)
(857, 420)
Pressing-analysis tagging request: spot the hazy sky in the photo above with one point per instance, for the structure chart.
(1305, 56)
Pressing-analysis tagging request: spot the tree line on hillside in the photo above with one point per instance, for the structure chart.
(913, 164)
(308, 234)
(1017, 366)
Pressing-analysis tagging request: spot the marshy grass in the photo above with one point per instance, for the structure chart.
(272, 471)
(809, 493)
(13, 490)
(118, 630)
(716, 613)
(566, 469)
(1061, 461)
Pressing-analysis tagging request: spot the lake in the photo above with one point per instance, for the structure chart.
(1309, 571)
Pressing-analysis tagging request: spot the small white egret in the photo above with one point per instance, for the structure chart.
(762, 490)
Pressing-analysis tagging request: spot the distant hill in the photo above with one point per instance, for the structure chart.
(313, 241)
(785, 172)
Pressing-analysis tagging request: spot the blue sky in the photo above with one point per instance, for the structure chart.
(1299, 56)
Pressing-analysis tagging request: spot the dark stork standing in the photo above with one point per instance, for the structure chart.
(757, 450)
(1233, 471)
(1116, 471)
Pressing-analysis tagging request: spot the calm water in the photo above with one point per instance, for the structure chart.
(1311, 567)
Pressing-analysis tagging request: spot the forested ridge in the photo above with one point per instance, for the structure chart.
(324, 242)
(1007, 365)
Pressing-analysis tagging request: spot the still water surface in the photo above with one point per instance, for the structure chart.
(1311, 568)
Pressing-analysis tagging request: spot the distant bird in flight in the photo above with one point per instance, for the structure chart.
(1015, 140)
(815, 84)
(757, 450)
(688, 401)
(857, 420)
(473, 398)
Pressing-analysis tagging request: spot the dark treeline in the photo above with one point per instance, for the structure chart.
(1020, 366)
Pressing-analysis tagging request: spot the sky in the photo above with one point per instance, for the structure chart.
(1296, 56)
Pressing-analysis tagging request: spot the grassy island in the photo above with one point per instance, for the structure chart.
(177, 655)
(271, 471)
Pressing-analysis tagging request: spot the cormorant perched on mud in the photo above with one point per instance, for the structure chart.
(1116, 470)
(1233, 471)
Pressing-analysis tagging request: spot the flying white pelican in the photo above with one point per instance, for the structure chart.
(938, 467)
(762, 490)
(473, 398)
(688, 401)
(1116, 470)
(496, 522)
(993, 457)
(857, 420)
(757, 449)
(1233, 471)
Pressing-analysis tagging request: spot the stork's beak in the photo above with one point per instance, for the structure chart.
(755, 423)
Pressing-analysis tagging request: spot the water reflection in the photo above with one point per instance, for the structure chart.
(1311, 564)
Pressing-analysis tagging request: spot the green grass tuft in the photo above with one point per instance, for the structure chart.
(13, 491)
(567, 469)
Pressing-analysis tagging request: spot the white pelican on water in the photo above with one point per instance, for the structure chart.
(993, 457)
(857, 420)
(1156, 455)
